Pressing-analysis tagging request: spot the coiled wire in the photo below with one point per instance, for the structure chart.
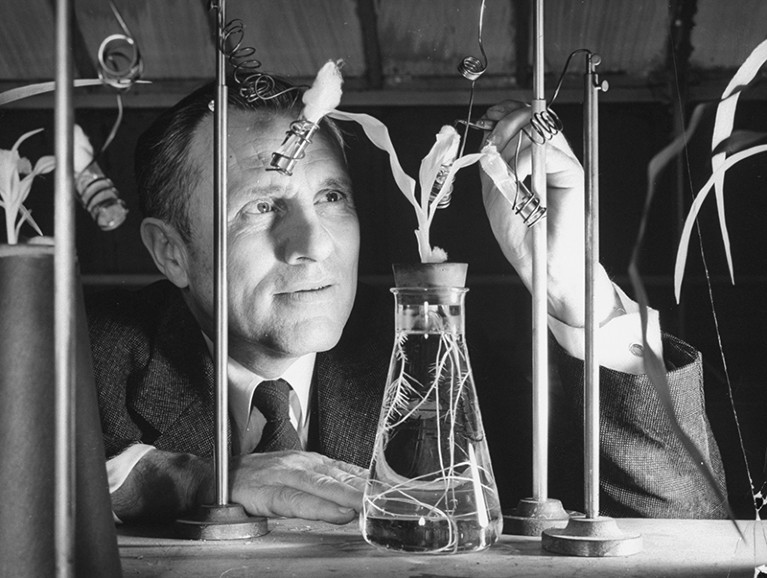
(546, 125)
(253, 84)
(471, 68)
(120, 62)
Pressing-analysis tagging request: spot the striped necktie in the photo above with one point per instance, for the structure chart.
(272, 399)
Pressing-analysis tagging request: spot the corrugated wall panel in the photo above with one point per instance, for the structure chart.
(173, 35)
(631, 37)
(27, 40)
(430, 37)
(296, 37)
(725, 33)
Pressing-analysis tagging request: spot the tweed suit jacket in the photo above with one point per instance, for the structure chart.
(155, 377)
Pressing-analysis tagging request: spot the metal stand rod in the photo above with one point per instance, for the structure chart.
(64, 299)
(591, 363)
(540, 284)
(591, 535)
(219, 264)
(533, 515)
(221, 521)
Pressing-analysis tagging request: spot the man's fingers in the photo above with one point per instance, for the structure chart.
(327, 487)
(507, 129)
(282, 501)
(562, 169)
(312, 464)
(291, 483)
(502, 109)
(350, 474)
(347, 467)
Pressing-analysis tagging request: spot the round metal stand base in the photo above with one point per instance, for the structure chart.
(531, 517)
(594, 537)
(229, 522)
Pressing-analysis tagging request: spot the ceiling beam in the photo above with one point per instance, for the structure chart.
(163, 94)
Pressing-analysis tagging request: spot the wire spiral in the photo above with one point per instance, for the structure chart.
(471, 68)
(254, 84)
(120, 62)
(528, 205)
(545, 126)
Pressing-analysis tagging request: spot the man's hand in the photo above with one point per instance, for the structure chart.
(297, 485)
(292, 484)
(564, 218)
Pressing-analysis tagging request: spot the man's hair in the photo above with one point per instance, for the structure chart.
(164, 175)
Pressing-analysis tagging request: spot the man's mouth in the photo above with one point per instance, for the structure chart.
(307, 291)
(312, 289)
(307, 288)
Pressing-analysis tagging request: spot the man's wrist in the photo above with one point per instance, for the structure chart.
(617, 310)
(620, 337)
(567, 301)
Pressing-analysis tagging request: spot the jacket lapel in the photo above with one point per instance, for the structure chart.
(348, 406)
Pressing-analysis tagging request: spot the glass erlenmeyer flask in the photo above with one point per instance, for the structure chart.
(431, 487)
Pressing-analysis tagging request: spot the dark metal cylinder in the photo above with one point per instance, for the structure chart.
(28, 435)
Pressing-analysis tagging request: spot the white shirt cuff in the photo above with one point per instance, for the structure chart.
(120, 466)
(619, 341)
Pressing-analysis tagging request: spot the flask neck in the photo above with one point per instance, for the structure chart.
(429, 309)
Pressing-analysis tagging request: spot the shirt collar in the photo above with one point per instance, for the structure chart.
(243, 382)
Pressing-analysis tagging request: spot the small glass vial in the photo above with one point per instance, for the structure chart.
(431, 487)
(293, 148)
(98, 195)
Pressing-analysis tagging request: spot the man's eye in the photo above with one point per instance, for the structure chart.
(262, 207)
(332, 196)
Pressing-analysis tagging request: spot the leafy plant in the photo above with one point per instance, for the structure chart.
(16, 176)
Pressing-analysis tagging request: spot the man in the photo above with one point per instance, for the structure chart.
(295, 314)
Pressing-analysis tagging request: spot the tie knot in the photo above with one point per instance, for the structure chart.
(272, 398)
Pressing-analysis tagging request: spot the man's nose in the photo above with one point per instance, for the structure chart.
(305, 237)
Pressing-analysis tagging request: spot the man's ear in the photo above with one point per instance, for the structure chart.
(167, 249)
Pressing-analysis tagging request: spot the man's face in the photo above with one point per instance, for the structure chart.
(293, 244)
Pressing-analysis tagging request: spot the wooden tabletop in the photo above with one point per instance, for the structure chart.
(301, 548)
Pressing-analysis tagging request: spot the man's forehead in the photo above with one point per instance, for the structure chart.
(249, 157)
(253, 137)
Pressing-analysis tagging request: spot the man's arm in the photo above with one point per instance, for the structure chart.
(169, 481)
(646, 470)
(164, 485)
